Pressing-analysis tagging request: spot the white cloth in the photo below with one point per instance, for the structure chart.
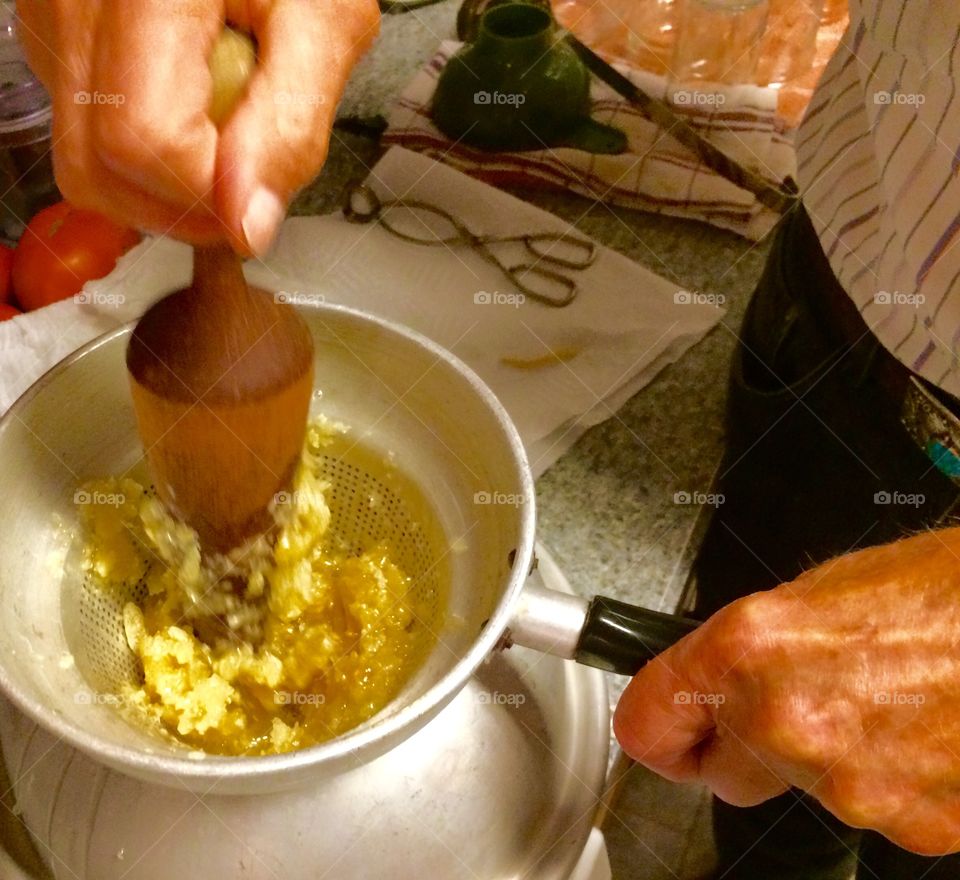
(878, 154)
(626, 324)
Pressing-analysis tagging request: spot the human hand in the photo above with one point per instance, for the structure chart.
(131, 89)
(845, 683)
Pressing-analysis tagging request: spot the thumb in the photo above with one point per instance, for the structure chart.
(277, 139)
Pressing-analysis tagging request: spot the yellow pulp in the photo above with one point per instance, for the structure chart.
(280, 645)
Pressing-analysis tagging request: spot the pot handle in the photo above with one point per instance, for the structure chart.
(601, 632)
(620, 637)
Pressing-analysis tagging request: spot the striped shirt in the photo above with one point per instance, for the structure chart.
(878, 154)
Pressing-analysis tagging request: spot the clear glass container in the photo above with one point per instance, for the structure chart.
(26, 167)
(639, 32)
(650, 25)
(718, 40)
(789, 44)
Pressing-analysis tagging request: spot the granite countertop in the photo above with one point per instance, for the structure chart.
(606, 508)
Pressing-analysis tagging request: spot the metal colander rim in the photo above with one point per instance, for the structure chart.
(365, 737)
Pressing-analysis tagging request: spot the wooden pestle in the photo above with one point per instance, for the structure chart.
(221, 376)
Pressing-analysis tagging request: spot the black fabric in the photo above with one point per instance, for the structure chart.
(814, 447)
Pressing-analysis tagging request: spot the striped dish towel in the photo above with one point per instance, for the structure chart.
(655, 174)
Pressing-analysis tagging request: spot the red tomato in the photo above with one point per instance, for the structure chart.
(7, 312)
(61, 249)
(6, 261)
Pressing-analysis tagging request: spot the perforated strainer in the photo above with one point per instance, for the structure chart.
(370, 503)
(431, 462)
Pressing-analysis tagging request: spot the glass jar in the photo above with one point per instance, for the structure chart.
(718, 40)
(26, 167)
(790, 41)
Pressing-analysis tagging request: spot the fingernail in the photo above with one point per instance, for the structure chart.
(262, 218)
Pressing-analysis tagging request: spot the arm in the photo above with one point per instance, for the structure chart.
(149, 156)
(845, 682)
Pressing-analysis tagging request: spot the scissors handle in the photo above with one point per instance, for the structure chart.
(361, 204)
(568, 251)
(556, 290)
(534, 280)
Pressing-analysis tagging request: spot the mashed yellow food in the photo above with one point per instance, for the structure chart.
(280, 645)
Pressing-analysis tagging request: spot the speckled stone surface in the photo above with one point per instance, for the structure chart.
(404, 43)
(608, 509)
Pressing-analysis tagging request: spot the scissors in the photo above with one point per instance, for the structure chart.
(416, 222)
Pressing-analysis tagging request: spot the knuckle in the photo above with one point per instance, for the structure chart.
(740, 631)
(928, 828)
(926, 841)
(915, 815)
(748, 656)
(858, 801)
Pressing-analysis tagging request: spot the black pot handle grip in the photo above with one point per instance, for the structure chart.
(621, 638)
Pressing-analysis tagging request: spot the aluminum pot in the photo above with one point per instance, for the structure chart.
(520, 752)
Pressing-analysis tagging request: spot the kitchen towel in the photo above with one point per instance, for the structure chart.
(656, 173)
(557, 371)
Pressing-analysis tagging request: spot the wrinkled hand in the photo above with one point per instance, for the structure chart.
(142, 148)
(845, 682)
